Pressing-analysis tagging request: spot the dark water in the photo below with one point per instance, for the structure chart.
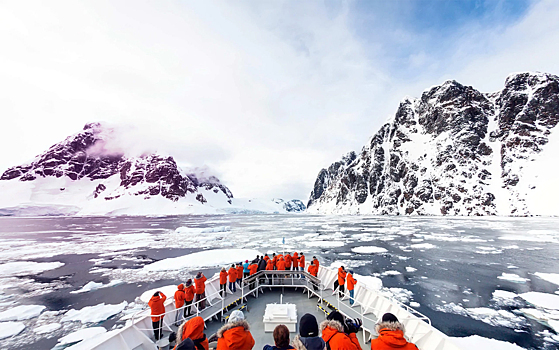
(451, 266)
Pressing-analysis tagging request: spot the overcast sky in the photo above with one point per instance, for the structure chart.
(264, 93)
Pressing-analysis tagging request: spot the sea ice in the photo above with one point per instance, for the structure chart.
(21, 312)
(47, 328)
(20, 268)
(169, 292)
(368, 250)
(206, 258)
(512, 277)
(550, 277)
(410, 269)
(94, 314)
(390, 273)
(9, 329)
(92, 286)
(544, 300)
(415, 304)
(370, 282)
(423, 246)
(324, 244)
(82, 334)
(477, 342)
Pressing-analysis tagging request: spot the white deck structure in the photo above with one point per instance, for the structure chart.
(369, 306)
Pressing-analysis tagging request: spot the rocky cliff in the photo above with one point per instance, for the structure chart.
(454, 151)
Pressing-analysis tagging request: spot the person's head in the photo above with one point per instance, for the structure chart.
(388, 317)
(233, 266)
(199, 275)
(266, 254)
(281, 336)
(223, 269)
(180, 286)
(351, 271)
(389, 321)
(156, 294)
(314, 257)
(273, 254)
(301, 253)
(236, 316)
(189, 282)
(342, 267)
(337, 316)
(308, 327)
(246, 261)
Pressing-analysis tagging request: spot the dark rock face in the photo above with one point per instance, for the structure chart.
(79, 158)
(294, 206)
(448, 153)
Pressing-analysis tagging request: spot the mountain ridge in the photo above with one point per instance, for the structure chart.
(453, 151)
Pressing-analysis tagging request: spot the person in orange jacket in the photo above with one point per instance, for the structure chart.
(156, 303)
(240, 274)
(270, 265)
(179, 302)
(266, 257)
(193, 329)
(288, 261)
(341, 280)
(200, 290)
(351, 286)
(338, 335)
(222, 281)
(295, 261)
(390, 335)
(315, 261)
(253, 268)
(235, 334)
(313, 270)
(281, 264)
(188, 297)
(302, 263)
(232, 278)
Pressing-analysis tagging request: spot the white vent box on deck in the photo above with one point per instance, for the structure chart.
(277, 314)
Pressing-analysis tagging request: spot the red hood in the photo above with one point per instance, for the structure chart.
(181, 286)
(194, 328)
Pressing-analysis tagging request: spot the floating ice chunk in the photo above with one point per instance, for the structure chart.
(390, 273)
(370, 282)
(368, 250)
(544, 300)
(184, 229)
(324, 244)
(488, 250)
(9, 329)
(21, 312)
(550, 277)
(48, 328)
(415, 304)
(94, 314)
(207, 258)
(477, 342)
(20, 268)
(92, 286)
(493, 317)
(512, 277)
(410, 269)
(423, 246)
(82, 334)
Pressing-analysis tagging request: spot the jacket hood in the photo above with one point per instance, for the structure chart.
(232, 325)
(181, 286)
(392, 326)
(392, 338)
(193, 329)
(308, 343)
(155, 298)
(330, 327)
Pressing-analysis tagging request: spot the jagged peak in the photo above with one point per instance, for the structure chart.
(522, 80)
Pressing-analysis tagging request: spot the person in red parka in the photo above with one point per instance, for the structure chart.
(288, 261)
(302, 263)
(222, 281)
(235, 334)
(351, 286)
(156, 303)
(295, 261)
(341, 280)
(179, 302)
(315, 261)
(313, 270)
(188, 296)
(232, 278)
(391, 335)
(193, 329)
(337, 335)
(240, 274)
(200, 290)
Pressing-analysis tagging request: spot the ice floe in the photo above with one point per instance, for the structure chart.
(9, 329)
(544, 300)
(550, 277)
(423, 246)
(324, 244)
(81, 334)
(21, 268)
(369, 250)
(47, 328)
(512, 277)
(410, 269)
(370, 282)
(92, 286)
(195, 230)
(94, 314)
(477, 342)
(206, 258)
(21, 312)
(493, 317)
(390, 273)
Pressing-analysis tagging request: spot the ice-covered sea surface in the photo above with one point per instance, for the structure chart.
(491, 277)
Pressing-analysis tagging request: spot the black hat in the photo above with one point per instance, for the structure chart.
(388, 317)
(186, 344)
(336, 316)
(308, 327)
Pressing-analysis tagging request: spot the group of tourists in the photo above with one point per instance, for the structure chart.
(335, 333)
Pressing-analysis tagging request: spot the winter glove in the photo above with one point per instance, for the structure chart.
(353, 326)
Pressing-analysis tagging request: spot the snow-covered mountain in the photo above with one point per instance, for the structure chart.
(83, 175)
(455, 151)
